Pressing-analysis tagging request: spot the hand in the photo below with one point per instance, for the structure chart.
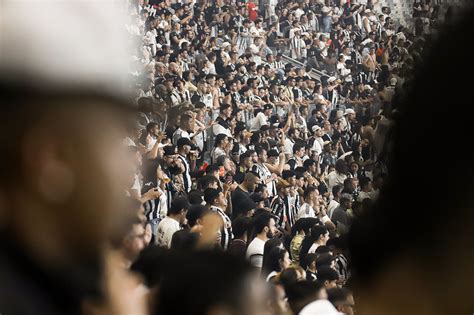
(153, 193)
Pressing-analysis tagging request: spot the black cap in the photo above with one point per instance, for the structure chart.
(169, 150)
(327, 273)
(272, 152)
(265, 128)
(267, 106)
(184, 141)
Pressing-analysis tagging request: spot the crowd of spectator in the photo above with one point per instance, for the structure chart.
(261, 132)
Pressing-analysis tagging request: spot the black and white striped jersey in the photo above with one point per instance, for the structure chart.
(225, 234)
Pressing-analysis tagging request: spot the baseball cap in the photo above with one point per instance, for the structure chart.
(169, 150)
(349, 111)
(184, 141)
(315, 128)
(272, 152)
(267, 106)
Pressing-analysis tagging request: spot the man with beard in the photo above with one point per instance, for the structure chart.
(265, 228)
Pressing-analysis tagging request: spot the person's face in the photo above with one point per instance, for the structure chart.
(297, 133)
(272, 229)
(300, 182)
(254, 158)
(286, 261)
(95, 163)
(222, 201)
(285, 191)
(229, 165)
(263, 157)
(348, 306)
(354, 168)
(252, 184)
(300, 152)
(281, 306)
(325, 238)
(228, 112)
(292, 180)
(170, 159)
(135, 243)
(187, 148)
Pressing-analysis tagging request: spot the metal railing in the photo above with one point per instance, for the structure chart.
(315, 74)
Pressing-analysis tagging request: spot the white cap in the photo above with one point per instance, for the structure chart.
(53, 45)
(349, 111)
(225, 44)
(325, 9)
(319, 307)
(315, 128)
(331, 79)
(393, 81)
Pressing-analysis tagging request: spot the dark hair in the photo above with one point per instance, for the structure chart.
(184, 240)
(151, 264)
(309, 190)
(364, 182)
(338, 296)
(240, 226)
(261, 221)
(195, 197)
(205, 181)
(341, 167)
(317, 231)
(302, 293)
(219, 138)
(271, 259)
(209, 269)
(297, 147)
(336, 190)
(327, 274)
(194, 213)
(150, 126)
(178, 204)
(311, 258)
(210, 195)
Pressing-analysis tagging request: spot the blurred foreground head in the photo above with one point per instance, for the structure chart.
(63, 96)
(209, 283)
(414, 252)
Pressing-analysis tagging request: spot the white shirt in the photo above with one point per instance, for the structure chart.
(259, 121)
(288, 146)
(306, 211)
(255, 252)
(335, 178)
(218, 129)
(331, 207)
(166, 228)
(317, 147)
(180, 133)
(313, 248)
